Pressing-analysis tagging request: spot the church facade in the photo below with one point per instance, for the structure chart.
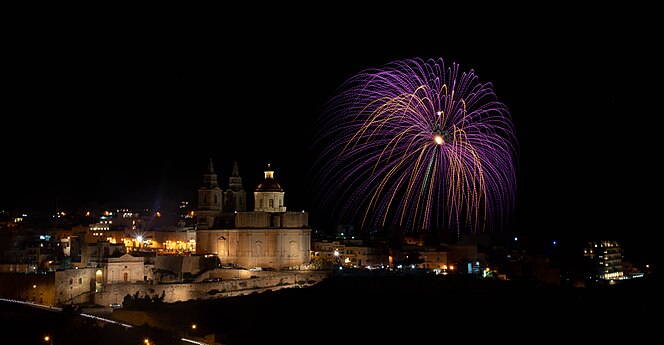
(269, 236)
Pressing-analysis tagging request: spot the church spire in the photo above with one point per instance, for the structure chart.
(209, 199)
(235, 197)
(235, 173)
(235, 181)
(210, 178)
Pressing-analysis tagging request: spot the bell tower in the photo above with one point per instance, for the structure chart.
(235, 198)
(209, 199)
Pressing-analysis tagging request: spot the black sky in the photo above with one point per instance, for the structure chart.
(129, 108)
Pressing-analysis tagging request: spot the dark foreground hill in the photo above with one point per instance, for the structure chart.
(385, 309)
(412, 309)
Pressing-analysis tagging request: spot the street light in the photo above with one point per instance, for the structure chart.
(337, 258)
(193, 329)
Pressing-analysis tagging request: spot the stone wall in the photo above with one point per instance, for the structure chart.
(79, 285)
(227, 287)
(295, 219)
(75, 286)
(178, 264)
(252, 220)
(226, 274)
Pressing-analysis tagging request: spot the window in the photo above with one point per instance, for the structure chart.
(80, 280)
(261, 203)
(271, 202)
(258, 251)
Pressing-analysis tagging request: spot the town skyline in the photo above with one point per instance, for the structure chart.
(154, 114)
(107, 112)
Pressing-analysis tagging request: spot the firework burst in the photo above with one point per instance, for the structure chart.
(416, 145)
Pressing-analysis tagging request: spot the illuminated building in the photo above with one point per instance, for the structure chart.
(604, 259)
(269, 236)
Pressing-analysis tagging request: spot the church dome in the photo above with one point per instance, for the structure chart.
(269, 185)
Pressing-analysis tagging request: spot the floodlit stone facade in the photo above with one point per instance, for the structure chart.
(268, 237)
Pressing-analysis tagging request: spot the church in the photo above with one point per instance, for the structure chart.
(268, 237)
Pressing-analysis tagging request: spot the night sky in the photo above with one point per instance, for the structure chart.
(128, 109)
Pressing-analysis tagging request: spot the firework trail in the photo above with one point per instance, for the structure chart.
(417, 145)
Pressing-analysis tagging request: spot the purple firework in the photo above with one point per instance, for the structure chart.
(416, 145)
